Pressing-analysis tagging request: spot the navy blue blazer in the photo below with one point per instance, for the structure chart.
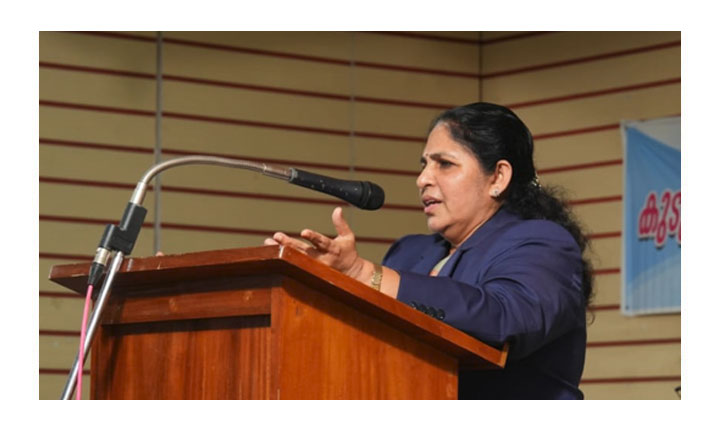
(513, 280)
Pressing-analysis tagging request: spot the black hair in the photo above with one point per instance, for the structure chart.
(493, 133)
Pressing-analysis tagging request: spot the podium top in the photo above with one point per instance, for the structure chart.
(143, 272)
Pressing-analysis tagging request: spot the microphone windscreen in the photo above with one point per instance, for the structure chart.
(362, 194)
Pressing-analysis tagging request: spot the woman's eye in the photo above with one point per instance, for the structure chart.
(445, 164)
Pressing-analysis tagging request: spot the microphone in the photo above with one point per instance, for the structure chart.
(362, 194)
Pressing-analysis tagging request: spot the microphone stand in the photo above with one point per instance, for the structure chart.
(120, 239)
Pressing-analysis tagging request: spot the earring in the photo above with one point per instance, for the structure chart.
(495, 193)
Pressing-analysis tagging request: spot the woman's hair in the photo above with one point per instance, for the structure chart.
(492, 133)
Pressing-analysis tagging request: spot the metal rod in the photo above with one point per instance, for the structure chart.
(158, 139)
(92, 325)
(283, 173)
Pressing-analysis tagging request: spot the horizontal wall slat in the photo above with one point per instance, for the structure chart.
(96, 126)
(607, 289)
(60, 313)
(639, 361)
(52, 385)
(59, 352)
(93, 89)
(653, 390)
(578, 149)
(425, 53)
(612, 325)
(113, 53)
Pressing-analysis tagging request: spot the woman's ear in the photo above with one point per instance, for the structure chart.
(501, 178)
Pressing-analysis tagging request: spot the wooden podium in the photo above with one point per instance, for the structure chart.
(266, 323)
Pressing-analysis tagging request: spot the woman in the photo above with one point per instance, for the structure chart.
(504, 263)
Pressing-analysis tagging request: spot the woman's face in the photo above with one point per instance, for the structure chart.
(454, 190)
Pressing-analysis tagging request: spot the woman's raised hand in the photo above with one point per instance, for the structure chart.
(339, 252)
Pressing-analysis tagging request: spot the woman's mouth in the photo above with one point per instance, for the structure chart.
(430, 204)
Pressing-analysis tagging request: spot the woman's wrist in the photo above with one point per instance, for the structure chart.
(362, 270)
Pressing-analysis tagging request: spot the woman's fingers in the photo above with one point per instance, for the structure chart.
(285, 240)
(341, 225)
(318, 240)
(270, 242)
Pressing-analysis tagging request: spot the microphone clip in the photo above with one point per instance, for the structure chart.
(117, 238)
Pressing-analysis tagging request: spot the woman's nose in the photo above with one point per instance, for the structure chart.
(424, 179)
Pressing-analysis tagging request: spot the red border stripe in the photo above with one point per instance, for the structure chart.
(437, 38)
(47, 371)
(602, 235)
(623, 380)
(606, 307)
(524, 35)
(60, 333)
(606, 271)
(605, 344)
(596, 200)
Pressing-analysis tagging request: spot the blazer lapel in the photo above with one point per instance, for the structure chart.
(476, 239)
(431, 256)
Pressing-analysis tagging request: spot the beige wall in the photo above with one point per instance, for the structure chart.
(346, 105)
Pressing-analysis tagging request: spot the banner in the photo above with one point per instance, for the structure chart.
(651, 226)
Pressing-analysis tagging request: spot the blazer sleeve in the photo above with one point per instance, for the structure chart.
(526, 291)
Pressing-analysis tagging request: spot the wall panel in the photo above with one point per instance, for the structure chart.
(641, 360)
(94, 51)
(94, 89)
(415, 52)
(602, 110)
(554, 47)
(653, 390)
(577, 79)
(578, 149)
(610, 325)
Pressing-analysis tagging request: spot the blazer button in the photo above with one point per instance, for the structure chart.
(432, 312)
(413, 305)
(422, 308)
(441, 315)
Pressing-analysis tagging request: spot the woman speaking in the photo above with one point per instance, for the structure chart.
(505, 262)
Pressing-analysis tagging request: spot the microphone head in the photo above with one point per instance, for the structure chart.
(373, 196)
